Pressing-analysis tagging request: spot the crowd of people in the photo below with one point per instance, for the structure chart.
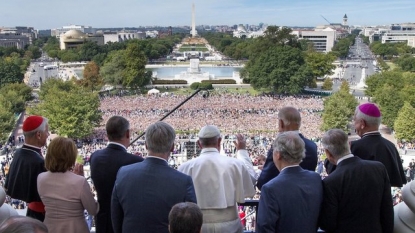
(233, 113)
(130, 181)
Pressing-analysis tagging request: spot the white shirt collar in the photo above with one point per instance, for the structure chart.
(118, 144)
(297, 165)
(150, 156)
(345, 157)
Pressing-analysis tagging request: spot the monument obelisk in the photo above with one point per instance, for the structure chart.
(193, 32)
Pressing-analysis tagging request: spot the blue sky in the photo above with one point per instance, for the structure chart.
(45, 14)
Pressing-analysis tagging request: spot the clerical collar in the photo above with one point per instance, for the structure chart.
(118, 144)
(32, 146)
(376, 132)
(345, 157)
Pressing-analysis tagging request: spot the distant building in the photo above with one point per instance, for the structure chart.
(395, 33)
(84, 29)
(122, 36)
(323, 41)
(17, 37)
(74, 38)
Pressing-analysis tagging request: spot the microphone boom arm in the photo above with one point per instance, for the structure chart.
(168, 114)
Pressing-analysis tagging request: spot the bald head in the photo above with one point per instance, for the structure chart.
(289, 119)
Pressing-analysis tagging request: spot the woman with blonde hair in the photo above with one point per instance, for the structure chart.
(65, 193)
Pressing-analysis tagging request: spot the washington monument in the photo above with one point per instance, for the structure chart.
(193, 32)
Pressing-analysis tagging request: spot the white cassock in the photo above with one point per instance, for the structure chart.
(220, 182)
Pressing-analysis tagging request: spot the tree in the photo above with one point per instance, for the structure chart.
(406, 62)
(112, 70)
(92, 79)
(390, 103)
(9, 72)
(338, 109)
(22, 90)
(389, 90)
(6, 118)
(134, 74)
(321, 64)
(405, 123)
(328, 84)
(17, 103)
(281, 68)
(72, 112)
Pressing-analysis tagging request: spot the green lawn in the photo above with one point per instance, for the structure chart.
(185, 48)
(391, 65)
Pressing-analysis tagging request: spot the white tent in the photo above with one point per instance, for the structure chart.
(153, 91)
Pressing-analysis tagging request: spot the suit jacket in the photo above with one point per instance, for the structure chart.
(373, 146)
(66, 196)
(290, 202)
(105, 164)
(309, 162)
(144, 194)
(357, 198)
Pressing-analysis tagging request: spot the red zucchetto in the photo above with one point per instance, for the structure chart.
(32, 123)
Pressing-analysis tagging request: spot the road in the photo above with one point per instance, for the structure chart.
(357, 66)
(38, 70)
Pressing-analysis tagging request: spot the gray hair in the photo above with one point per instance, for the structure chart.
(290, 146)
(116, 127)
(41, 128)
(370, 121)
(160, 137)
(336, 142)
(208, 142)
(22, 224)
(289, 115)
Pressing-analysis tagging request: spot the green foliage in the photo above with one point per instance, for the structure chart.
(342, 46)
(72, 111)
(328, 84)
(6, 118)
(233, 47)
(388, 50)
(338, 109)
(21, 89)
(167, 82)
(389, 90)
(365, 39)
(194, 85)
(406, 62)
(134, 73)
(91, 79)
(321, 64)
(405, 123)
(282, 68)
(206, 86)
(113, 67)
(10, 71)
(221, 81)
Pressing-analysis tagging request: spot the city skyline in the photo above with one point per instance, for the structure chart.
(48, 14)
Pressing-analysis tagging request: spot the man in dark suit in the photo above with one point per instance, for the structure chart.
(289, 119)
(291, 201)
(357, 195)
(105, 165)
(145, 192)
(372, 146)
